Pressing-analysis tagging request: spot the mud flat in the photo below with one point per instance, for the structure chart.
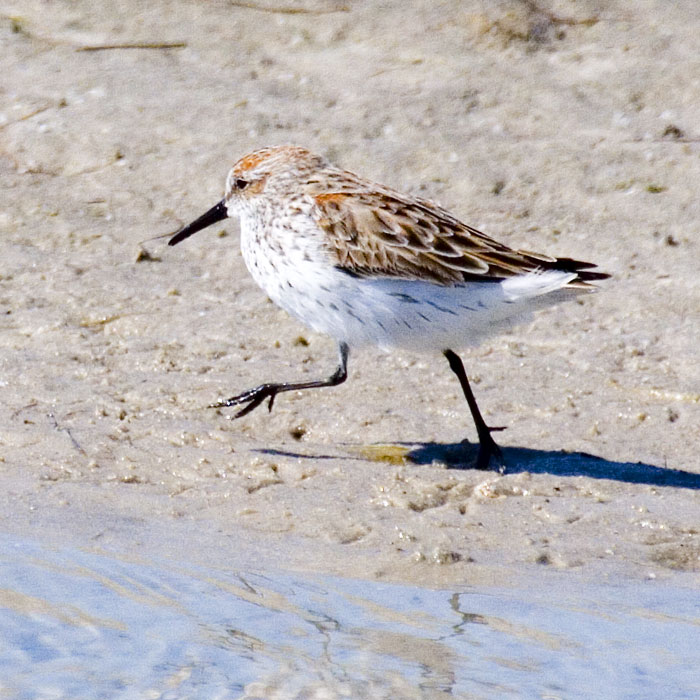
(562, 128)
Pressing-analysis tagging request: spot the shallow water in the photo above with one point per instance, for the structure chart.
(96, 624)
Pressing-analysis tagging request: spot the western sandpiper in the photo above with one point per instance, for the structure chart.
(366, 264)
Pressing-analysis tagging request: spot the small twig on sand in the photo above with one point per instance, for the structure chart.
(290, 10)
(23, 408)
(67, 431)
(24, 117)
(136, 45)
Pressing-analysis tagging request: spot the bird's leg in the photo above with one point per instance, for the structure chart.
(487, 445)
(254, 397)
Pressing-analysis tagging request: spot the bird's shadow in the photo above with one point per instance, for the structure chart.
(462, 455)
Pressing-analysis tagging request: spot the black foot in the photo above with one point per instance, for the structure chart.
(489, 450)
(252, 397)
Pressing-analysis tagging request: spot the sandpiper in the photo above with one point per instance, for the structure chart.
(366, 264)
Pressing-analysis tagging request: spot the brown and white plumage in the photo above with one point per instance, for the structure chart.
(367, 264)
(375, 230)
(382, 232)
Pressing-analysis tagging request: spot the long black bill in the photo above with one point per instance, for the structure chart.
(216, 213)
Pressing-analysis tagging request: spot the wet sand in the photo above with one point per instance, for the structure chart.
(570, 129)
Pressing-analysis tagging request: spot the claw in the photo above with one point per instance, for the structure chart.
(243, 411)
(268, 392)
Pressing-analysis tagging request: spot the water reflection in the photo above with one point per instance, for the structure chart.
(79, 624)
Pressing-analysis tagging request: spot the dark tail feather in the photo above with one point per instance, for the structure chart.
(584, 270)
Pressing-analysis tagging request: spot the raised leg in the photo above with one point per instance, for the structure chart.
(487, 445)
(254, 397)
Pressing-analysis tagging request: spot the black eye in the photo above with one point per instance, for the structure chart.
(241, 184)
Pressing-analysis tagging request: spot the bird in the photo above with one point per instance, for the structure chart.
(369, 265)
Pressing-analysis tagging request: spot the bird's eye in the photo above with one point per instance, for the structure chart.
(241, 184)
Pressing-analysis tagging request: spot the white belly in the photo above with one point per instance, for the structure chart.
(390, 312)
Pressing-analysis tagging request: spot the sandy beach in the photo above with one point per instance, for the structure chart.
(560, 127)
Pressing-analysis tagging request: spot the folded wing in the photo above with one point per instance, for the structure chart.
(410, 238)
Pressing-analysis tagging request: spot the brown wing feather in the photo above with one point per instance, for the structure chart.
(415, 239)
